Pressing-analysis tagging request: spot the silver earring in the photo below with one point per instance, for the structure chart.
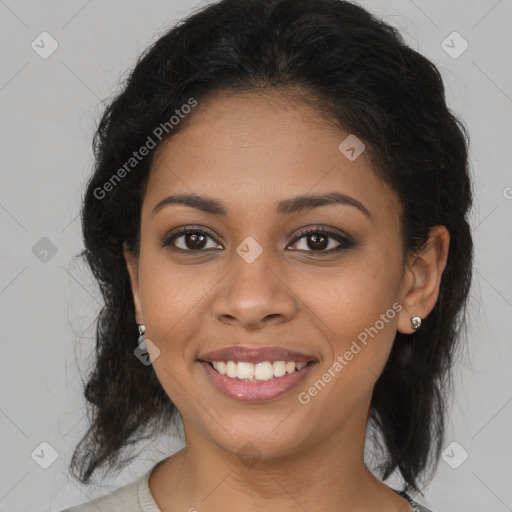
(415, 322)
(142, 330)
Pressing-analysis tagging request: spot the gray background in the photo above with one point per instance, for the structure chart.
(49, 108)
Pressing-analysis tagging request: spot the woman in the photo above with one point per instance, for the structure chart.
(278, 223)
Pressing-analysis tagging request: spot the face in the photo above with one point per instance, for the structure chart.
(260, 270)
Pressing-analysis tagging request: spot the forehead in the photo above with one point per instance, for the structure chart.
(252, 150)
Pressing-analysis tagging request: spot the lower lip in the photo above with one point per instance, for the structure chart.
(256, 391)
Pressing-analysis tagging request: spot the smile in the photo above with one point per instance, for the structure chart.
(266, 380)
(258, 372)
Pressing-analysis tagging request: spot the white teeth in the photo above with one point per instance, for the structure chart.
(231, 369)
(263, 371)
(257, 372)
(279, 368)
(245, 370)
(290, 367)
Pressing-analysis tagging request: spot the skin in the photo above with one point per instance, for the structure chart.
(251, 151)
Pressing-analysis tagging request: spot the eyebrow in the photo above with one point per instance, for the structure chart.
(285, 207)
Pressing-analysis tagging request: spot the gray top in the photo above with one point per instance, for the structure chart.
(136, 497)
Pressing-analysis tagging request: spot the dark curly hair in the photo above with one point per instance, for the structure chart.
(357, 72)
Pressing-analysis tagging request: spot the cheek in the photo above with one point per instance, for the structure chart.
(359, 326)
(358, 310)
(170, 298)
(352, 297)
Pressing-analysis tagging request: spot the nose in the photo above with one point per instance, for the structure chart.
(254, 295)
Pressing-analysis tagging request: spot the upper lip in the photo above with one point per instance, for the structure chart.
(255, 355)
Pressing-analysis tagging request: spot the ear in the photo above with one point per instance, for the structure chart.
(132, 266)
(422, 280)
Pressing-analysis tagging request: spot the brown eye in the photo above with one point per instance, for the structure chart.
(317, 241)
(321, 242)
(195, 241)
(191, 240)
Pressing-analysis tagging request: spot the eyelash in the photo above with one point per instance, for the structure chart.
(344, 241)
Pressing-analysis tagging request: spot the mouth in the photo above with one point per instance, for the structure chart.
(246, 375)
(263, 371)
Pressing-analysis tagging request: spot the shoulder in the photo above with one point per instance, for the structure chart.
(416, 507)
(125, 498)
(134, 497)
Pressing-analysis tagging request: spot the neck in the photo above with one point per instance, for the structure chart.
(326, 475)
